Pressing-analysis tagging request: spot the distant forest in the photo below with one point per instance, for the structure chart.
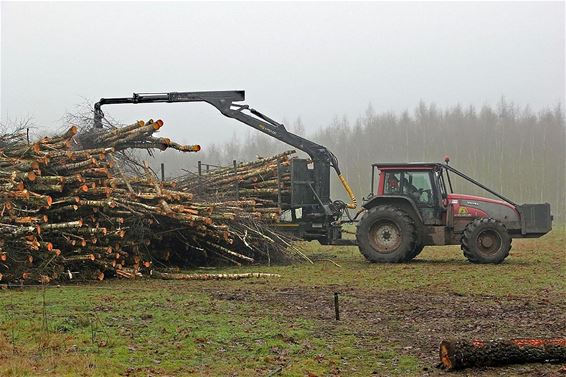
(517, 152)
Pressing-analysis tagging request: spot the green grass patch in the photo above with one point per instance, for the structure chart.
(246, 327)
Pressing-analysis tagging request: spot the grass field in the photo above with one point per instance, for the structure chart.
(392, 317)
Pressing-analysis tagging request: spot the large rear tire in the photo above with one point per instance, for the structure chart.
(386, 234)
(486, 241)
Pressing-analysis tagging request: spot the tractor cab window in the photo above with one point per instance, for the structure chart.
(414, 184)
(419, 187)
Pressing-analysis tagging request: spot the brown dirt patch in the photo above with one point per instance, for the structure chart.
(414, 323)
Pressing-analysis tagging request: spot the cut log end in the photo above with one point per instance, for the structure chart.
(445, 353)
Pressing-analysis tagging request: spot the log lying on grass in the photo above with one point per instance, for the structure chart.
(171, 276)
(460, 354)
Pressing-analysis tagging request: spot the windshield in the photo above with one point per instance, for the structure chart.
(414, 184)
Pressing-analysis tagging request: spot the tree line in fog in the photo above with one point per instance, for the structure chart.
(511, 149)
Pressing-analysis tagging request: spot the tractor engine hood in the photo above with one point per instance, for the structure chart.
(477, 206)
(472, 198)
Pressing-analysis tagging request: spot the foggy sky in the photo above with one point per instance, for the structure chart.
(313, 60)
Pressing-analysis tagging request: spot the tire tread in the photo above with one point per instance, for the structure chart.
(400, 257)
(466, 242)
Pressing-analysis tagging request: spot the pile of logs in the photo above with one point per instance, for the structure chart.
(264, 183)
(71, 212)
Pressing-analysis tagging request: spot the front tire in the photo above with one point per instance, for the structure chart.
(486, 241)
(417, 250)
(386, 234)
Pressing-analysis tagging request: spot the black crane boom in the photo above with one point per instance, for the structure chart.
(323, 210)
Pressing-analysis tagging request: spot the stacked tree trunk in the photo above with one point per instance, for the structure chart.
(266, 182)
(135, 136)
(72, 213)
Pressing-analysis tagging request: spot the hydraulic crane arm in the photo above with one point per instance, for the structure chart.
(224, 102)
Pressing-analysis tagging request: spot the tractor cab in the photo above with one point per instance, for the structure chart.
(421, 183)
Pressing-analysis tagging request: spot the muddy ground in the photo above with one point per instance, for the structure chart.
(417, 321)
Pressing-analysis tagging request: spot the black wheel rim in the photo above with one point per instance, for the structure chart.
(488, 242)
(385, 236)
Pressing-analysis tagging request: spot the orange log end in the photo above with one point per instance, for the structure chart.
(445, 356)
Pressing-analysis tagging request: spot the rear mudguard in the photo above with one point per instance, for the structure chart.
(401, 202)
(406, 205)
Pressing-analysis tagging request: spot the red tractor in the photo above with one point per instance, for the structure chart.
(412, 208)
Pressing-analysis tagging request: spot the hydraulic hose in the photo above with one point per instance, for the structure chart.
(353, 202)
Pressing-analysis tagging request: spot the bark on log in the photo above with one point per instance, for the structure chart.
(460, 354)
